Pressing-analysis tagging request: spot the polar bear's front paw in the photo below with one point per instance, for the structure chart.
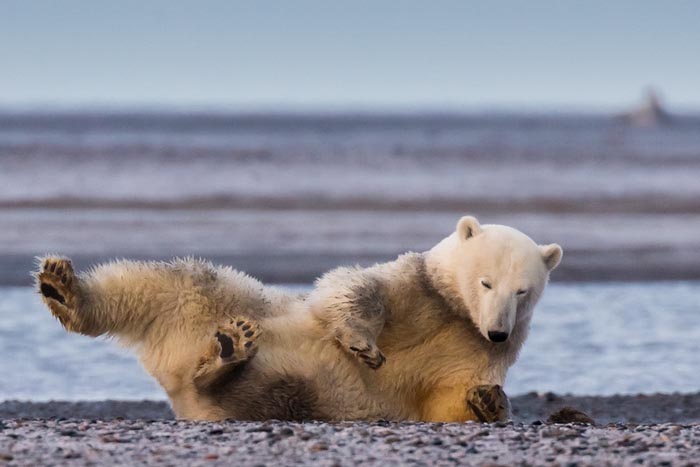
(369, 354)
(237, 341)
(488, 403)
(57, 284)
(230, 346)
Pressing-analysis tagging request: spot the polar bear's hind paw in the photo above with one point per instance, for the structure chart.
(56, 278)
(56, 282)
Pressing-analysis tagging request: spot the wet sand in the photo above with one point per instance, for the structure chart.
(631, 430)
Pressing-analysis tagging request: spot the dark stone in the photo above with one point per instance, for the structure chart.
(570, 415)
(262, 428)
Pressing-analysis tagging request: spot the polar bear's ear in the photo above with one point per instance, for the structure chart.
(468, 227)
(551, 255)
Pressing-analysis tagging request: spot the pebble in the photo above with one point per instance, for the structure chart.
(199, 443)
(110, 432)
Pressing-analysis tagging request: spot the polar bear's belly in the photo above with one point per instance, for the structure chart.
(338, 388)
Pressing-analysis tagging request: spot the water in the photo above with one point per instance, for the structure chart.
(414, 160)
(586, 339)
(315, 191)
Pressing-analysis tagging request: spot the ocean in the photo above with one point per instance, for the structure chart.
(289, 196)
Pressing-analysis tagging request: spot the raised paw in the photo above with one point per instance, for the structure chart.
(370, 355)
(57, 283)
(489, 403)
(231, 345)
(237, 340)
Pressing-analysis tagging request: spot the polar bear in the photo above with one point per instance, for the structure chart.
(429, 336)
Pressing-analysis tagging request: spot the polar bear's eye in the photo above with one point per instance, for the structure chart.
(521, 292)
(486, 284)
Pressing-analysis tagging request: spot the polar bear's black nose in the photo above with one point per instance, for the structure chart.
(498, 336)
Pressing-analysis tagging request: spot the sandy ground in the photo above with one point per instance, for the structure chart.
(630, 430)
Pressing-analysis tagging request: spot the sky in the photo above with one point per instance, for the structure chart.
(307, 54)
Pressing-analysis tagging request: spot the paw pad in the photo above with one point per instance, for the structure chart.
(237, 340)
(49, 291)
(226, 344)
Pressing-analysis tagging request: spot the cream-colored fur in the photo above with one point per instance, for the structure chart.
(403, 340)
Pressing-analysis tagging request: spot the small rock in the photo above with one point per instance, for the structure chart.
(114, 439)
(262, 428)
(570, 415)
(319, 447)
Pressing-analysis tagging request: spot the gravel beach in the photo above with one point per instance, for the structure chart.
(631, 430)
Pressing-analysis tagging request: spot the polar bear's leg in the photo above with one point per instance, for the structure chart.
(484, 403)
(130, 300)
(348, 304)
(360, 341)
(119, 298)
(231, 346)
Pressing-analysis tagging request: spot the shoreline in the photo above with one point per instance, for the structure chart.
(142, 433)
(683, 408)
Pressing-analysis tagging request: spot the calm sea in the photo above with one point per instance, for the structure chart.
(286, 197)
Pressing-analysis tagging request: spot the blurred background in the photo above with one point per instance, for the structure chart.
(286, 138)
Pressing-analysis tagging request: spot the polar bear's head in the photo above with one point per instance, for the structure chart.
(497, 272)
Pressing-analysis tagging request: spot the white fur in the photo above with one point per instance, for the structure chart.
(429, 314)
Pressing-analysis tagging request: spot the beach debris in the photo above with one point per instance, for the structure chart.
(570, 415)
